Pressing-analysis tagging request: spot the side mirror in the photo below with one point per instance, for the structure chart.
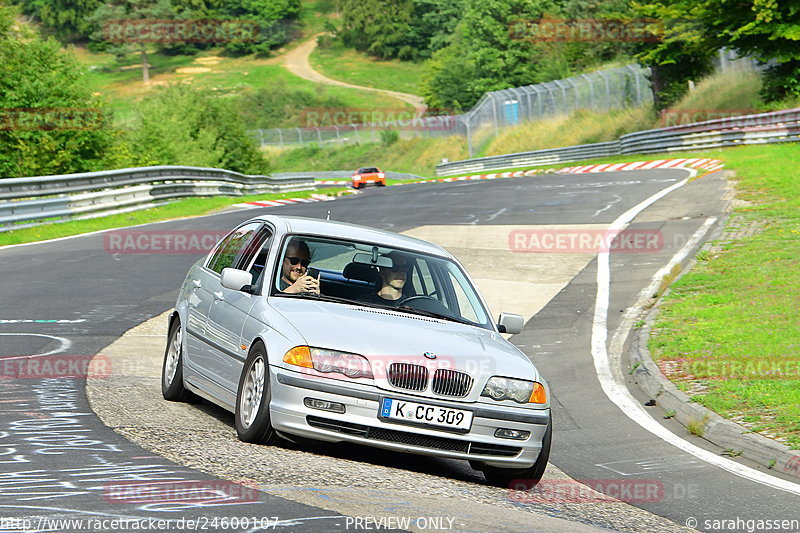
(510, 323)
(236, 280)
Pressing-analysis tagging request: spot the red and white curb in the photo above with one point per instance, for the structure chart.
(286, 201)
(329, 182)
(703, 164)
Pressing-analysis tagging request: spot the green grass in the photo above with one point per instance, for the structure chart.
(416, 156)
(739, 304)
(121, 82)
(725, 92)
(178, 209)
(580, 127)
(350, 66)
(314, 13)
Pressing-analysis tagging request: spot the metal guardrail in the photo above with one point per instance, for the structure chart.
(774, 127)
(344, 175)
(79, 195)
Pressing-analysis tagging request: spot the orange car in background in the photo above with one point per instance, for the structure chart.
(368, 176)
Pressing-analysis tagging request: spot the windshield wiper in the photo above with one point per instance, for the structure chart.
(432, 314)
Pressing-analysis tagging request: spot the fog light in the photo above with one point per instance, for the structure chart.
(324, 405)
(515, 434)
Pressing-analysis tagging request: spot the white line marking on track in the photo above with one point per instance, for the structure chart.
(610, 376)
(66, 344)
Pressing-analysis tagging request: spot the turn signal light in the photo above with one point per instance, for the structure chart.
(299, 356)
(539, 395)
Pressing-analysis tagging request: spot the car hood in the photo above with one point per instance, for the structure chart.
(385, 336)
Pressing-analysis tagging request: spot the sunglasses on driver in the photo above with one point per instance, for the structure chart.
(295, 260)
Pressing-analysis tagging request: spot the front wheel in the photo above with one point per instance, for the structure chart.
(172, 388)
(252, 400)
(526, 478)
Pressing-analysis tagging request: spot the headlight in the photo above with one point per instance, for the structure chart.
(500, 388)
(330, 361)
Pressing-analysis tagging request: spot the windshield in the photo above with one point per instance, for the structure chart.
(380, 276)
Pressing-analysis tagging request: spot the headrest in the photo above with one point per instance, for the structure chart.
(360, 272)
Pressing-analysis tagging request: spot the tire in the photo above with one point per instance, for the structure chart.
(526, 478)
(172, 388)
(252, 400)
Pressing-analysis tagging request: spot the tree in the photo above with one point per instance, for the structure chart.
(67, 19)
(187, 126)
(404, 29)
(273, 18)
(768, 30)
(121, 23)
(49, 123)
(485, 54)
(445, 79)
(379, 27)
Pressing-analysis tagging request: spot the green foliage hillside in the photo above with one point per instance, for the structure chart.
(51, 124)
(263, 24)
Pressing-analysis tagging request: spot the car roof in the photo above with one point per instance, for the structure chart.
(344, 230)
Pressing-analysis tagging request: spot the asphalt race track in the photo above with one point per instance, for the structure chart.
(66, 300)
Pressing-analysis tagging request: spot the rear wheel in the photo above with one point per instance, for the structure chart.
(252, 400)
(172, 388)
(526, 478)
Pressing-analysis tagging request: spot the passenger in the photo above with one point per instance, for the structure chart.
(295, 265)
(393, 280)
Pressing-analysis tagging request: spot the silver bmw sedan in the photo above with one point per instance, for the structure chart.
(337, 332)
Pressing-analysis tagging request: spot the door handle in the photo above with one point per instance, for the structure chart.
(219, 296)
(196, 283)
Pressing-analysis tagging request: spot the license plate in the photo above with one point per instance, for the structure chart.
(420, 413)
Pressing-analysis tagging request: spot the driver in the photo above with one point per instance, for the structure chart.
(294, 269)
(393, 279)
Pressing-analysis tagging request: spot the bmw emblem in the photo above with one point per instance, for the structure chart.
(429, 355)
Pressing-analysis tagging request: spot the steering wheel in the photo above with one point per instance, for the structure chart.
(425, 303)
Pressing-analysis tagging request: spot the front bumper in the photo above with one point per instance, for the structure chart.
(360, 422)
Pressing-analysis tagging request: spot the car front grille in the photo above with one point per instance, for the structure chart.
(407, 376)
(413, 439)
(451, 383)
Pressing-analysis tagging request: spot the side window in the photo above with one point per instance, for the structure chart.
(466, 303)
(465, 308)
(233, 247)
(255, 253)
(422, 279)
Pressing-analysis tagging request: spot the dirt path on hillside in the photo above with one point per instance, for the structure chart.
(296, 61)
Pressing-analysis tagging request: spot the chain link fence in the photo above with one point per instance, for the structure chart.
(617, 88)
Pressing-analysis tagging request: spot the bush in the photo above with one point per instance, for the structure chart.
(389, 137)
(186, 126)
(51, 123)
